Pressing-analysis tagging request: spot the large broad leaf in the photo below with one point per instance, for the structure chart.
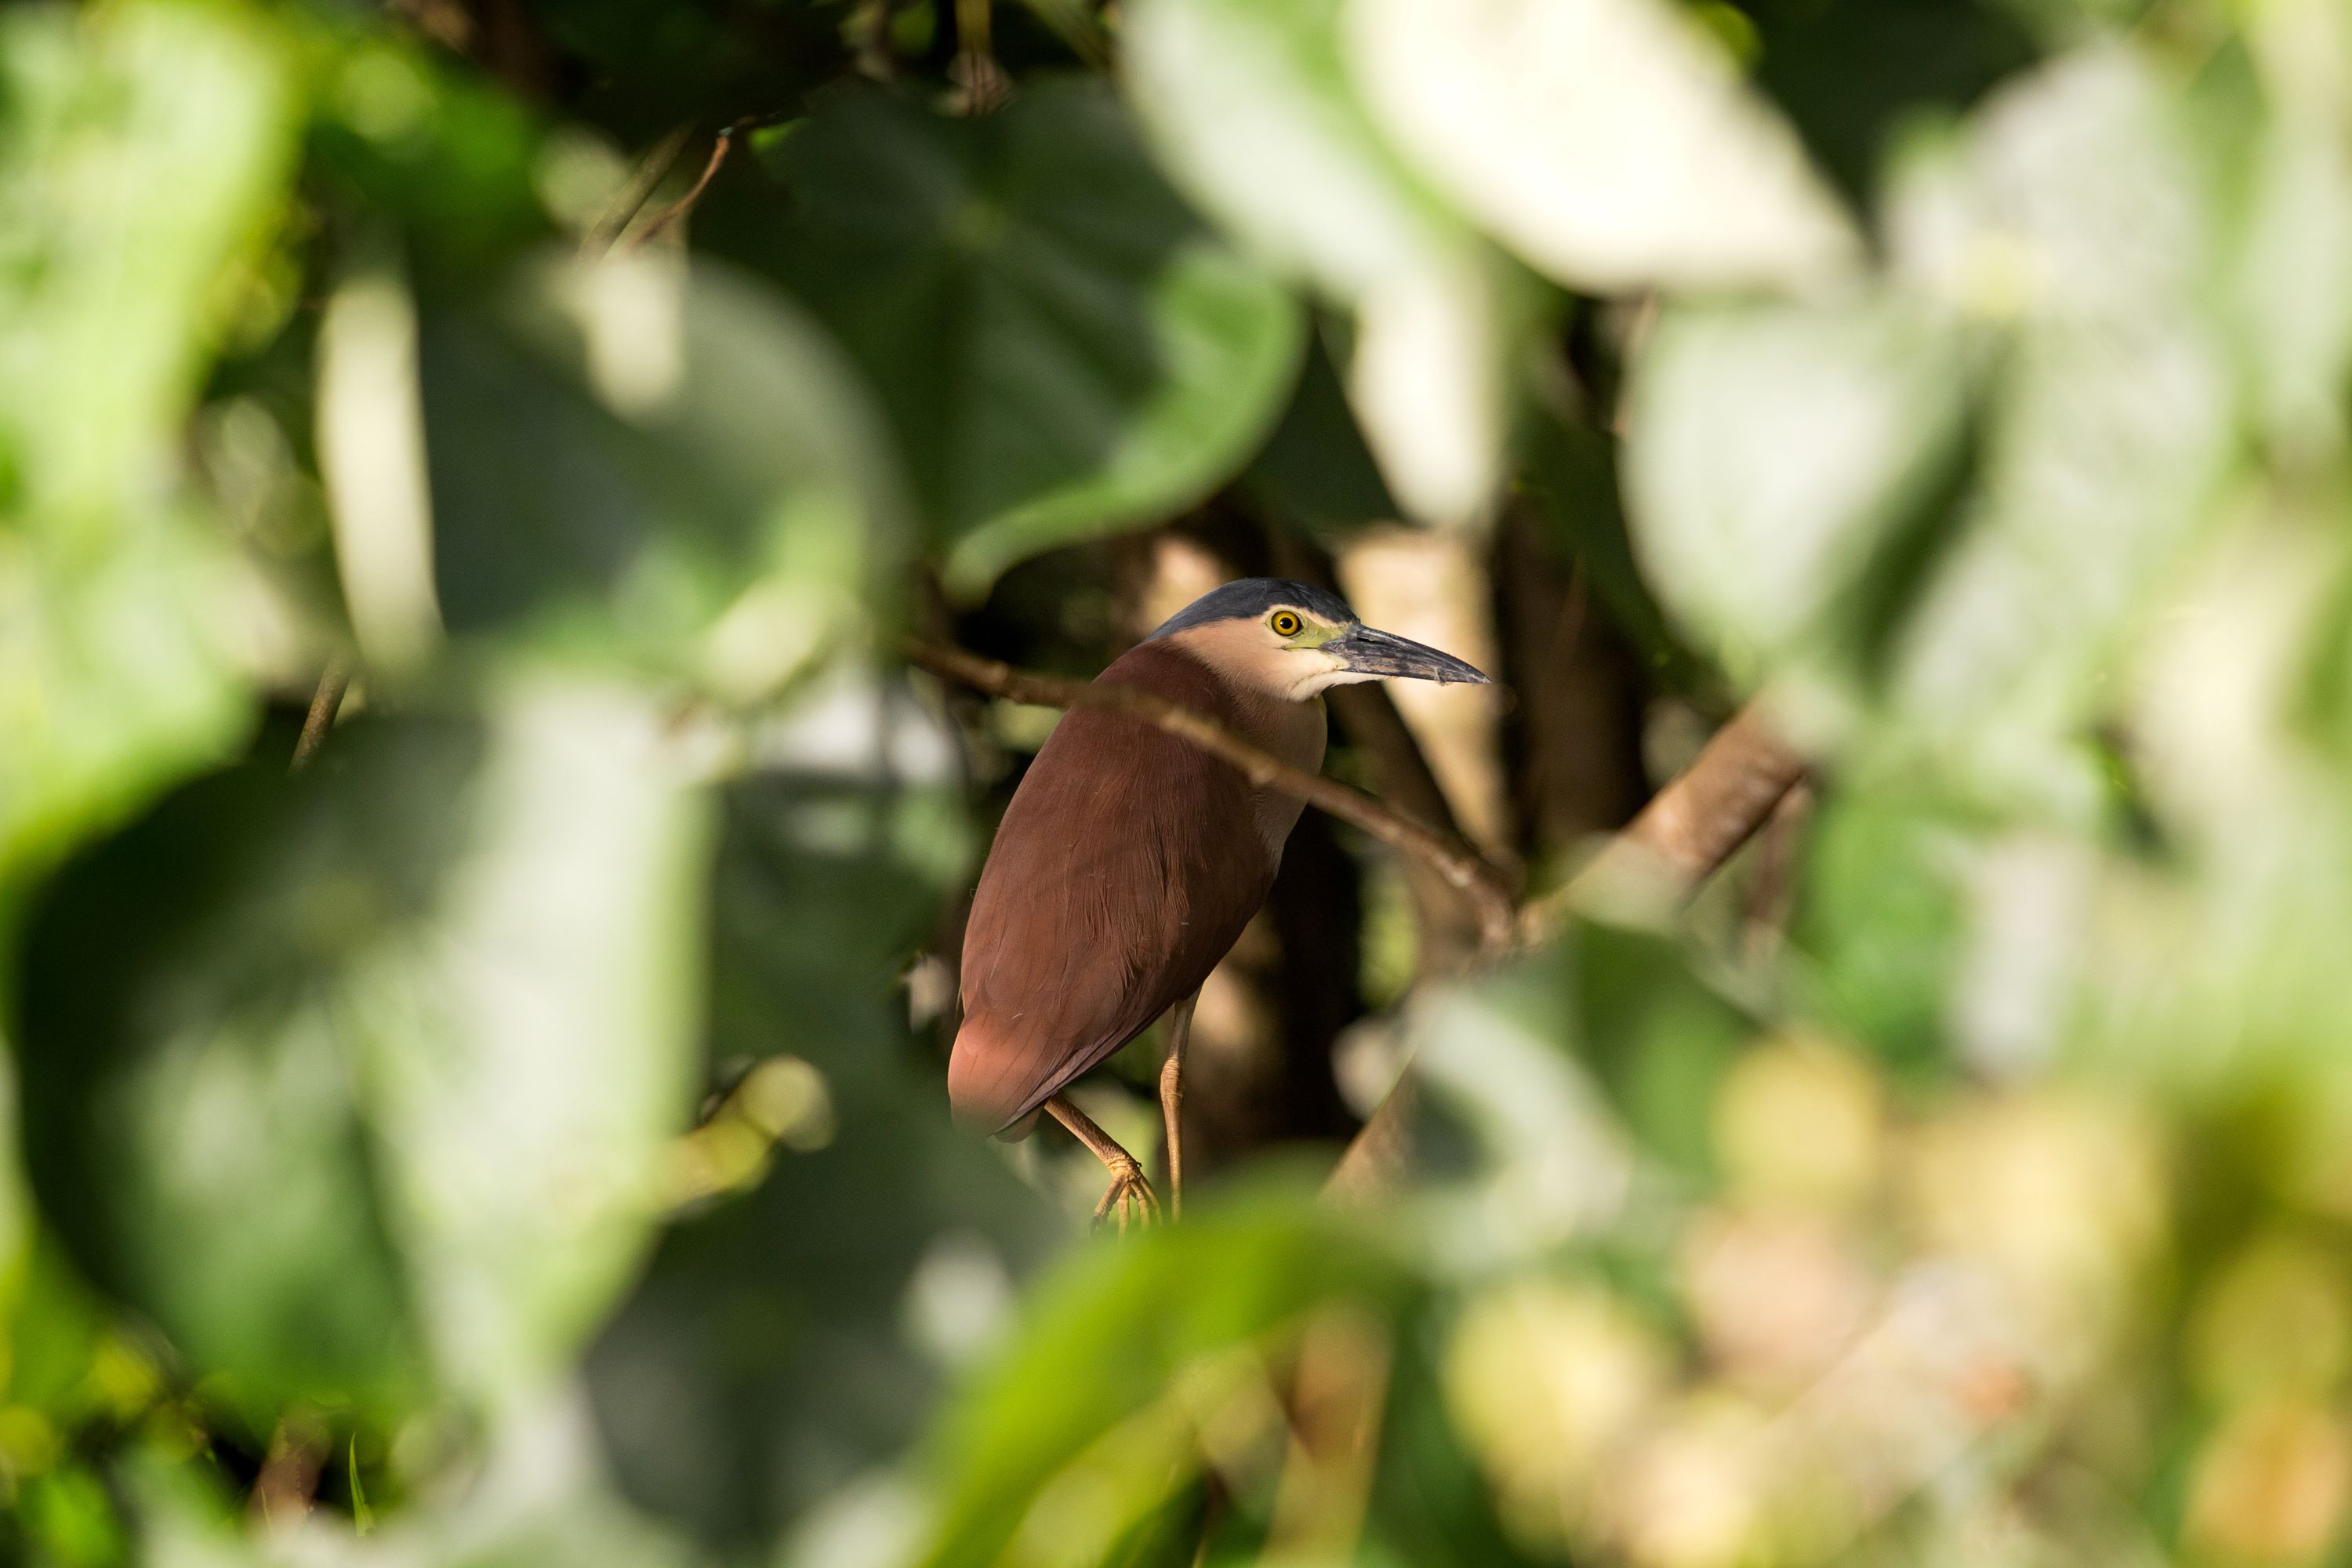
(2075, 213)
(1608, 142)
(1966, 484)
(112, 683)
(1064, 348)
(1772, 450)
(353, 1083)
(786, 1345)
(1553, 1079)
(1127, 1356)
(664, 462)
(139, 146)
(1251, 109)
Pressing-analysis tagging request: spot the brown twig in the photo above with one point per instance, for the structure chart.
(289, 1480)
(1694, 824)
(325, 704)
(1462, 867)
(650, 173)
(1683, 837)
(685, 204)
(982, 85)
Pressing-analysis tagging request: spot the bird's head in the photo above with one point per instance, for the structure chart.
(1294, 639)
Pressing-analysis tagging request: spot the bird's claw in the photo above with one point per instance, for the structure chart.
(1129, 1190)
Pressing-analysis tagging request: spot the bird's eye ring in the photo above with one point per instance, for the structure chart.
(1284, 624)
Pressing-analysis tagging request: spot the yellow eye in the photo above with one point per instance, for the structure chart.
(1284, 624)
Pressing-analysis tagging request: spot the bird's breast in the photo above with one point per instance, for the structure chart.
(1294, 732)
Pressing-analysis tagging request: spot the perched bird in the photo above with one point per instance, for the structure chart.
(1129, 860)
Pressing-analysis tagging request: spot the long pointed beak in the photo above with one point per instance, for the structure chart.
(1370, 652)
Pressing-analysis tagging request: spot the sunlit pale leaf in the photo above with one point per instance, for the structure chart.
(1250, 107)
(2298, 231)
(2074, 215)
(1063, 349)
(139, 149)
(1771, 450)
(354, 1083)
(1608, 142)
(1429, 382)
(111, 684)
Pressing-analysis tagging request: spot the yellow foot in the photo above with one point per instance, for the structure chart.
(1128, 1191)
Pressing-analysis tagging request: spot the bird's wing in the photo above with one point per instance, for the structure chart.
(1125, 868)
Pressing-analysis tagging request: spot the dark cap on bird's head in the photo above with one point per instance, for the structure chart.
(1294, 640)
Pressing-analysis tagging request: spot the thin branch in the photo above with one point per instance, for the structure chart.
(719, 149)
(325, 704)
(685, 204)
(1694, 824)
(289, 1483)
(651, 171)
(1683, 835)
(1488, 893)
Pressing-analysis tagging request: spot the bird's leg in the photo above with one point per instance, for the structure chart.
(1171, 1099)
(1126, 1182)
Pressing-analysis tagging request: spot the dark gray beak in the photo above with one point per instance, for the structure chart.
(1370, 652)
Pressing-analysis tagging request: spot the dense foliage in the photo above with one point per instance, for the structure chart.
(517, 1133)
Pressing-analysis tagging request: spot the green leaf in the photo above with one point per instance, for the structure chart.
(1251, 109)
(1884, 920)
(2075, 215)
(1773, 452)
(1609, 143)
(353, 1083)
(112, 683)
(1109, 1340)
(1560, 1072)
(668, 465)
(1946, 502)
(140, 147)
(1063, 349)
(409, 135)
(814, 1317)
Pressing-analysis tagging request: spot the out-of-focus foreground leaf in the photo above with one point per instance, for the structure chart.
(354, 1083)
(1252, 109)
(788, 1344)
(1790, 468)
(1608, 142)
(1062, 347)
(139, 146)
(642, 458)
(1134, 1357)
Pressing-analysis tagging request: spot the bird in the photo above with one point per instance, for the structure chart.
(1129, 860)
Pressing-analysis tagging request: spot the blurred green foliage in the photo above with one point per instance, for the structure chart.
(517, 1135)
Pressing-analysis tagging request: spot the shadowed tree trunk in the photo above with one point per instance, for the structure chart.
(1572, 734)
